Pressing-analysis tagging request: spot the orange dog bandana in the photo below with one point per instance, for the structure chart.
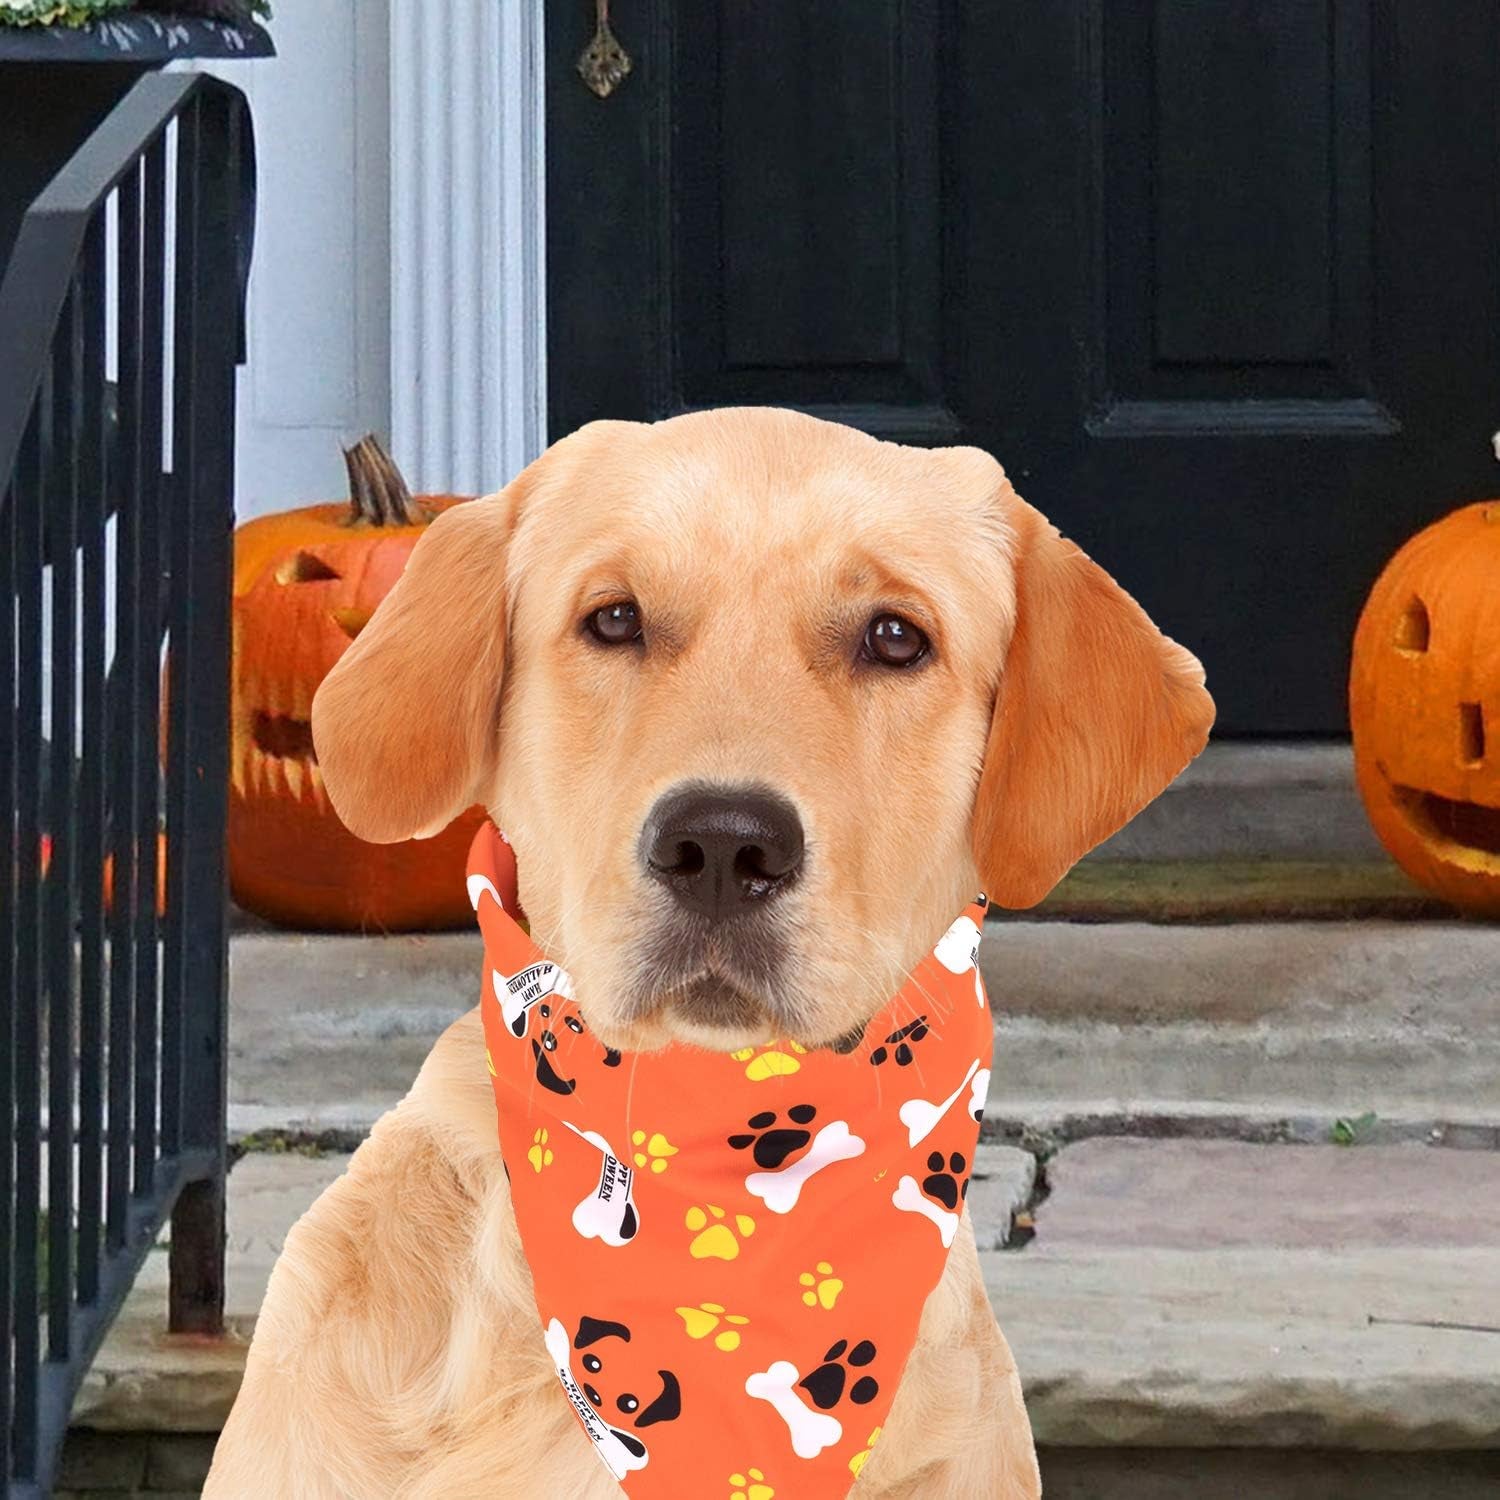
(731, 1251)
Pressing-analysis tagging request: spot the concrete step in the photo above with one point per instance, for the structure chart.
(1286, 801)
(145, 1380)
(1298, 1024)
(1272, 1025)
(1251, 890)
(1286, 1308)
(1268, 1317)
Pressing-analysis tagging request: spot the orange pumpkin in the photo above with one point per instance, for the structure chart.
(305, 584)
(1424, 705)
(109, 873)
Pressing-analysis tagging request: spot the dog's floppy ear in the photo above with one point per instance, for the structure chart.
(405, 723)
(1096, 713)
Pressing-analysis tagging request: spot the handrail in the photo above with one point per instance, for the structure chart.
(47, 250)
(120, 315)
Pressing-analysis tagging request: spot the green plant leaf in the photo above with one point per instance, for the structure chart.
(1346, 1131)
(57, 12)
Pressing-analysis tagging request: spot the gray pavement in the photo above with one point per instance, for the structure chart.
(1265, 801)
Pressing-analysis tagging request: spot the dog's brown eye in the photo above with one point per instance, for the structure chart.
(615, 624)
(894, 642)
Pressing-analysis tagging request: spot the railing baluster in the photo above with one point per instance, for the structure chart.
(145, 1067)
(146, 699)
(125, 736)
(184, 507)
(28, 1062)
(60, 489)
(209, 160)
(10, 888)
(93, 479)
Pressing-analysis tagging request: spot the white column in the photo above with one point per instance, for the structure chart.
(468, 235)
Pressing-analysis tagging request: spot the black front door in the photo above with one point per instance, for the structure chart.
(1219, 283)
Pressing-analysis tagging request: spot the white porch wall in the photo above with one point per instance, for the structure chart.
(397, 285)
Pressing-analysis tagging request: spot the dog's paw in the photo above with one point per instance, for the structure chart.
(826, 1385)
(820, 1286)
(716, 1235)
(771, 1144)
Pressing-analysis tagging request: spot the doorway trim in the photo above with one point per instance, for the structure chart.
(468, 242)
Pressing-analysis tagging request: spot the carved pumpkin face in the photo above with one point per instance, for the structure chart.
(1424, 705)
(305, 583)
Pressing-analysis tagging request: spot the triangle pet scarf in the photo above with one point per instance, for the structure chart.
(731, 1252)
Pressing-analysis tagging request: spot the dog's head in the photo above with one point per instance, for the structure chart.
(760, 701)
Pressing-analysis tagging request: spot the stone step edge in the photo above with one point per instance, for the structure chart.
(1167, 892)
(155, 1382)
(1041, 1127)
(1089, 1382)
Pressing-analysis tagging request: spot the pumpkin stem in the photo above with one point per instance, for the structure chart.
(378, 494)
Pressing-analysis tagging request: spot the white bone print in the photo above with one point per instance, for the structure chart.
(609, 1212)
(910, 1198)
(518, 993)
(779, 1191)
(811, 1431)
(979, 1093)
(958, 947)
(478, 885)
(920, 1116)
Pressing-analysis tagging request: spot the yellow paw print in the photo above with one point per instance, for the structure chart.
(540, 1154)
(751, 1485)
(861, 1459)
(716, 1237)
(770, 1062)
(702, 1320)
(821, 1288)
(652, 1152)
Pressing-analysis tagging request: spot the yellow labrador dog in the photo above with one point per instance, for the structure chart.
(930, 690)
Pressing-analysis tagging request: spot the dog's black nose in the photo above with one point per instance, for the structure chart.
(721, 850)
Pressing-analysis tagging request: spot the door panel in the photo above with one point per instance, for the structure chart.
(1216, 283)
(318, 368)
(808, 222)
(1231, 156)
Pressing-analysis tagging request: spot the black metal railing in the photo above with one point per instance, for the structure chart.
(120, 327)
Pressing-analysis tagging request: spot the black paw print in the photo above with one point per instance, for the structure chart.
(902, 1041)
(774, 1144)
(944, 1183)
(826, 1384)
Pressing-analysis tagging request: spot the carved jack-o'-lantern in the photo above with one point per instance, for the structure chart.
(305, 584)
(1424, 704)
